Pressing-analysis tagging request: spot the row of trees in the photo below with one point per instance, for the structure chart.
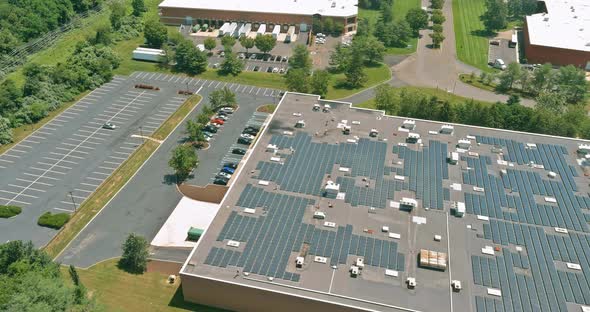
(499, 12)
(437, 19)
(572, 122)
(552, 89)
(327, 25)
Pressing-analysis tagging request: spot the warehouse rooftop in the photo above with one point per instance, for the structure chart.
(327, 185)
(334, 8)
(566, 25)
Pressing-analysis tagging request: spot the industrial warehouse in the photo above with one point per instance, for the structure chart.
(346, 209)
(299, 13)
(561, 35)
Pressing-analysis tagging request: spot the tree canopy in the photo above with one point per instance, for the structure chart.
(265, 43)
(155, 33)
(184, 159)
(135, 254)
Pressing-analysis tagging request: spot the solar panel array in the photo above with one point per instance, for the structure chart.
(280, 230)
(531, 279)
(426, 169)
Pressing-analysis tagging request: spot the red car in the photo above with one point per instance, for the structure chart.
(217, 121)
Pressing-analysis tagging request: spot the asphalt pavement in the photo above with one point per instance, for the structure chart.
(61, 164)
(145, 203)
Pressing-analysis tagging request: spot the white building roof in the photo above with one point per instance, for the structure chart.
(566, 25)
(336, 8)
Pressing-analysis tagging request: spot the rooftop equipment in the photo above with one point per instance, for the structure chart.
(360, 263)
(447, 129)
(231, 29)
(327, 108)
(316, 107)
(413, 137)
(409, 124)
(319, 215)
(433, 260)
(354, 271)
(276, 31)
(453, 158)
(331, 188)
(408, 203)
(584, 149)
(194, 233)
(373, 133)
(346, 129)
(456, 285)
(245, 30)
(300, 124)
(459, 209)
(223, 29)
(464, 144)
(271, 148)
(411, 282)
(299, 261)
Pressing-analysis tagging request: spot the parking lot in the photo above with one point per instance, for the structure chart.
(147, 200)
(502, 51)
(257, 62)
(59, 165)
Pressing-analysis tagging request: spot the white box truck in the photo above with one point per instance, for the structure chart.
(151, 55)
(290, 34)
(261, 30)
(276, 31)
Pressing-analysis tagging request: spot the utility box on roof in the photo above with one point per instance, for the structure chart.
(373, 133)
(194, 233)
(464, 144)
(433, 260)
(409, 124)
(408, 203)
(447, 129)
(413, 137)
(453, 158)
(331, 189)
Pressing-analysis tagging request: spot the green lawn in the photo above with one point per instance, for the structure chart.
(117, 290)
(375, 75)
(471, 38)
(441, 94)
(400, 8)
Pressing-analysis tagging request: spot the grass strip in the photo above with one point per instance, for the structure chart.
(109, 187)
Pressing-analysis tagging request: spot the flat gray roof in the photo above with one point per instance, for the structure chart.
(336, 8)
(535, 226)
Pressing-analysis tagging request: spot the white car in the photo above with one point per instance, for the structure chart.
(227, 110)
(247, 136)
(224, 174)
(275, 70)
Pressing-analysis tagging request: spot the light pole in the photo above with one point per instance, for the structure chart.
(141, 134)
(73, 202)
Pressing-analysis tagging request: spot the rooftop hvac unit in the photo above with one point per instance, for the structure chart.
(584, 148)
(408, 203)
(332, 188)
(453, 158)
(373, 133)
(346, 129)
(316, 107)
(456, 285)
(299, 261)
(413, 137)
(300, 124)
(354, 271)
(464, 144)
(459, 209)
(319, 215)
(433, 260)
(271, 148)
(409, 124)
(360, 263)
(411, 282)
(327, 108)
(447, 129)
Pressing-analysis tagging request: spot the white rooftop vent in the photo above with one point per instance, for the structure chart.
(408, 203)
(411, 281)
(331, 187)
(319, 215)
(271, 148)
(464, 144)
(447, 129)
(360, 262)
(300, 124)
(373, 132)
(354, 271)
(409, 124)
(299, 261)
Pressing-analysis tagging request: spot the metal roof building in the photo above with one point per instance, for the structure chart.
(560, 36)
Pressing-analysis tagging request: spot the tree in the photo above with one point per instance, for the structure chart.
(10, 97)
(300, 58)
(5, 131)
(386, 13)
(437, 4)
(417, 19)
(194, 130)
(372, 49)
(328, 25)
(437, 39)
(572, 83)
(297, 80)
(210, 44)
(496, 15)
(118, 11)
(553, 102)
(437, 17)
(386, 99)
(155, 33)
(135, 252)
(355, 74)
(437, 28)
(221, 98)
(231, 65)
(247, 43)
(103, 35)
(228, 43)
(509, 77)
(189, 59)
(320, 80)
(513, 99)
(265, 43)
(394, 34)
(7, 41)
(340, 57)
(542, 77)
(138, 7)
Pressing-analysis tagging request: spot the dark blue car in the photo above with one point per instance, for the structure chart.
(228, 170)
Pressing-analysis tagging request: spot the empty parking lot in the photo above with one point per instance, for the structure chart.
(58, 166)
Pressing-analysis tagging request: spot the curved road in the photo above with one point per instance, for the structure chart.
(435, 68)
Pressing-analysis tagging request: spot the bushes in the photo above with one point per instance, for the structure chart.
(9, 211)
(54, 221)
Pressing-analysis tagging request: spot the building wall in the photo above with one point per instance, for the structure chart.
(177, 16)
(240, 298)
(540, 54)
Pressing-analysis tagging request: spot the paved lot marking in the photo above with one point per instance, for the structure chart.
(66, 161)
(62, 209)
(59, 166)
(18, 194)
(13, 156)
(95, 179)
(14, 200)
(52, 171)
(30, 188)
(6, 160)
(18, 151)
(40, 183)
(82, 190)
(89, 184)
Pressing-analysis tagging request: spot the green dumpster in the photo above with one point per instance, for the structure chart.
(194, 233)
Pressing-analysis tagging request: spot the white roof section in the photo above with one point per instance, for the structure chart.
(565, 26)
(336, 8)
(188, 213)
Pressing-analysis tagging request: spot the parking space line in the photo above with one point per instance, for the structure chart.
(52, 171)
(79, 197)
(31, 141)
(127, 148)
(111, 162)
(61, 209)
(83, 183)
(18, 151)
(19, 194)
(13, 156)
(95, 179)
(251, 90)
(6, 160)
(59, 166)
(14, 200)
(257, 91)
(107, 168)
(212, 81)
(60, 154)
(81, 190)
(101, 173)
(217, 85)
(115, 157)
(66, 161)
(30, 188)
(29, 181)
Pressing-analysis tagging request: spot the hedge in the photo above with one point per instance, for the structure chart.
(9, 211)
(54, 221)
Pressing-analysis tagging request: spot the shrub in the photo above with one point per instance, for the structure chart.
(9, 211)
(54, 221)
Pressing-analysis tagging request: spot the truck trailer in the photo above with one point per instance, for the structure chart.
(290, 34)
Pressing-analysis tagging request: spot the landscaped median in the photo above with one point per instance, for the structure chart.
(109, 187)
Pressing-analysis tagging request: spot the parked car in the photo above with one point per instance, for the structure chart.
(241, 56)
(284, 59)
(281, 71)
(499, 64)
(253, 56)
(247, 136)
(269, 70)
(210, 128)
(256, 68)
(227, 110)
(224, 175)
(231, 165)
(207, 134)
(228, 170)
(220, 181)
(244, 141)
(218, 121)
(221, 116)
(250, 131)
(238, 151)
(275, 70)
(109, 125)
(213, 124)
(216, 65)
